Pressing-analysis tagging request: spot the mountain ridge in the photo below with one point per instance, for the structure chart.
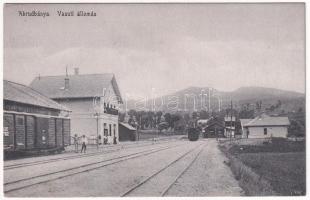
(197, 98)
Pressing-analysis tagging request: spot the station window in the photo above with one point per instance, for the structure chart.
(265, 131)
(105, 130)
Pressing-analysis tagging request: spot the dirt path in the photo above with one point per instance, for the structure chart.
(208, 176)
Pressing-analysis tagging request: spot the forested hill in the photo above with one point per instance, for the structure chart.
(197, 98)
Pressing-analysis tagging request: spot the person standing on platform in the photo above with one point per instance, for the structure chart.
(84, 143)
(99, 139)
(76, 143)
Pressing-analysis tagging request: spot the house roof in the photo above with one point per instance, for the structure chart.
(245, 121)
(128, 126)
(265, 120)
(80, 86)
(216, 122)
(23, 94)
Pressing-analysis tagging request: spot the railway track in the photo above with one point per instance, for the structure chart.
(33, 163)
(44, 178)
(164, 192)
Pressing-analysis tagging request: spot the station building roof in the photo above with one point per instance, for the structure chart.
(80, 86)
(23, 94)
(128, 126)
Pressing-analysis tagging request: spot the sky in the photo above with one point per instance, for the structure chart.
(167, 47)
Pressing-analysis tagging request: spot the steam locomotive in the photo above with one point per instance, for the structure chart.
(193, 134)
(195, 128)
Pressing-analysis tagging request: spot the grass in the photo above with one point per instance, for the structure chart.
(286, 172)
(280, 164)
(275, 146)
(252, 183)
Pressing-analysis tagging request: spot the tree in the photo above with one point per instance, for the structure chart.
(194, 115)
(150, 119)
(296, 128)
(140, 116)
(167, 117)
(227, 110)
(279, 103)
(272, 108)
(162, 126)
(121, 117)
(132, 113)
(186, 118)
(174, 118)
(204, 114)
(158, 117)
(247, 106)
(246, 114)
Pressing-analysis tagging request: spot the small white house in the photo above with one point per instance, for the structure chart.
(265, 126)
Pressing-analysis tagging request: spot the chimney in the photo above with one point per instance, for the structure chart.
(66, 83)
(76, 71)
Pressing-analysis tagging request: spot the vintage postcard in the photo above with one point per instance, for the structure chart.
(154, 99)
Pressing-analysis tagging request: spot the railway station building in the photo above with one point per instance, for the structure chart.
(31, 120)
(94, 100)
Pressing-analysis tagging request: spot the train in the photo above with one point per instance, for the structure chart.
(196, 127)
(193, 133)
(32, 123)
(32, 135)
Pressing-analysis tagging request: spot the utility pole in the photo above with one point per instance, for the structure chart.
(140, 127)
(137, 132)
(97, 119)
(209, 99)
(219, 102)
(230, 119)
